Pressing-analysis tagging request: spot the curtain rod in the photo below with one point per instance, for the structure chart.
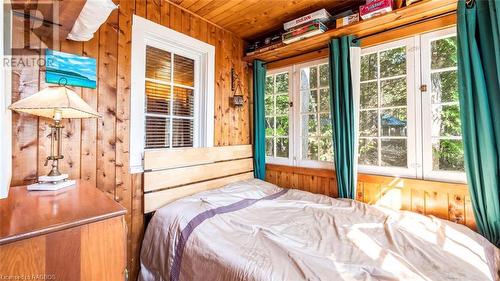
(405, 25)
(376, 33)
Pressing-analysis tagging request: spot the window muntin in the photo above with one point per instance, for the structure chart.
(297, 116)
(447, 148)
(433, 138)
(277, 115)
(383, 121)
(443, 155)
(170, 99)
(315, 117)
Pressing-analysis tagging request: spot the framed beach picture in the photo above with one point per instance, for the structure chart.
(69, 69)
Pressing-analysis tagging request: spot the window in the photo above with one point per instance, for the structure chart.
(442, 137)
(315, 121)
(172, 91)
(298, 122)
(402, 133)
(277, 115)
(386, 92)
(169, 99)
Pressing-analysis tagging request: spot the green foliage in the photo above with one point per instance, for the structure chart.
(369, 67)
(276, 110)
(444, 53)
(449, 155)
(368, 152)
(317, 132)
(393, 62)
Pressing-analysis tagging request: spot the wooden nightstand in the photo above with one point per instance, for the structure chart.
(77, 233)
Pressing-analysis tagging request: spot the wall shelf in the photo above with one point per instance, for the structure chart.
(419, 11)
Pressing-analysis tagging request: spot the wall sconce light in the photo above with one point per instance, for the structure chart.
(237, 99)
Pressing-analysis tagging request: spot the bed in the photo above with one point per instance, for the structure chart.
(253, 230)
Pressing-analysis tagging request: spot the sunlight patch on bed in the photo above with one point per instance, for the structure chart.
(468, 250)
(372, 249)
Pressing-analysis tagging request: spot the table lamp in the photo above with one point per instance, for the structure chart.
(56, 102)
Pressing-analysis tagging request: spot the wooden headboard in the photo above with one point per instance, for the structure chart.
(176, 173)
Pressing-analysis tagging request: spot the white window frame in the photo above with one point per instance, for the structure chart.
(427, 171)
(412, 75)
(420, 144)
(147, 33)
(282, 160)
(5, 101)
(295, 148)
(297, 120)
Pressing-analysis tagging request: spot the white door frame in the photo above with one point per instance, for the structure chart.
(5, 113)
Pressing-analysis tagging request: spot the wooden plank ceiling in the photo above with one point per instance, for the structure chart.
(250, 19)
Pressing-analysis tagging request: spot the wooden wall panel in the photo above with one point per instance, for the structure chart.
(71, 138)
(98, 150)
(43, 123)
(444, 200)
(88, 155)
(123, 180)
(321, 181)
(25, 82)
(106, 105)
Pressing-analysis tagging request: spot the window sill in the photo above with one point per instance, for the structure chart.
(446, 177)
(136, 169)
(308, 164)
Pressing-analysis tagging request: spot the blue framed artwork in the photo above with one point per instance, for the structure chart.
(69, 69)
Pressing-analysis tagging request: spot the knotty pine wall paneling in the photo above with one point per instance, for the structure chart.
(321, 181)
(97, 151)
(25, 82)
(450, 201)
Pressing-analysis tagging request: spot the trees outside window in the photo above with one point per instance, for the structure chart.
(297, 112)
(409, 121)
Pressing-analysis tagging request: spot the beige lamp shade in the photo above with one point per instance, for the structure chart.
(49, 101)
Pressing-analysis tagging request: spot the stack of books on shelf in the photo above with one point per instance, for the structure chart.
(375, 8)
(306, 26)
(265, 44)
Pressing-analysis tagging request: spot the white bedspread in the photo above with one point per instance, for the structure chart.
(296, 235)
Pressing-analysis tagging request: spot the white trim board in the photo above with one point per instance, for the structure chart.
(145, 32)
(5, 113)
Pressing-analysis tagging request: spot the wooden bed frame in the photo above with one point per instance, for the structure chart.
(173, 174)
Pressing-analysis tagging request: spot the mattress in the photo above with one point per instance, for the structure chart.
(253, 230)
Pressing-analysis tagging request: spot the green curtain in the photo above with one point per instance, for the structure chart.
(259, 130)
(343, 115)
(478, 32)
